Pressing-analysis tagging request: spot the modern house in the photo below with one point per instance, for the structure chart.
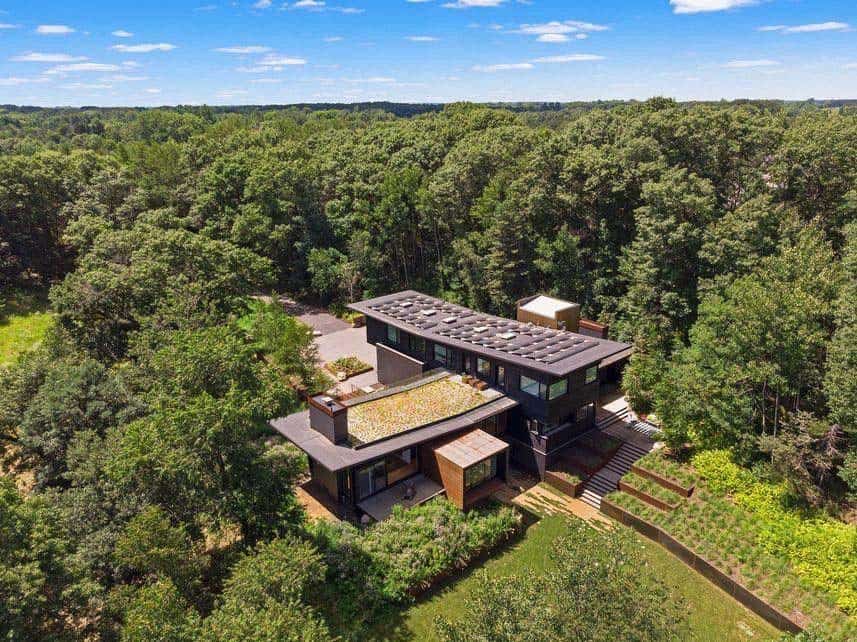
(464, 392)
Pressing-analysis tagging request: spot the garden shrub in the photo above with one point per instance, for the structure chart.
(391, 561)
(720, 472)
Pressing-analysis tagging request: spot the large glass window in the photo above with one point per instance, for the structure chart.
(371, 479)
(392, 334)
(558, 389)
(480, 472)
(483, 367)
(441, 354)
(532, 387)
(501, 376)
(591, 375)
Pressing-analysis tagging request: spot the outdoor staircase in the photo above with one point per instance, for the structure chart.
(605, 480)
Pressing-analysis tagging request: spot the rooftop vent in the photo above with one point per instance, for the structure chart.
(507, 335)
(429, 312)
(405, 304)
(480, 328)
(449, 320)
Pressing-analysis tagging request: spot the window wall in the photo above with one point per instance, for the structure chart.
(481, 472)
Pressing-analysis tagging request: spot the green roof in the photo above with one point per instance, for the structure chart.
(414, 407)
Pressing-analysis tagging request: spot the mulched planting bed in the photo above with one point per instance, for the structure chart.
(600, 443)
(726, 536)
(587, 461)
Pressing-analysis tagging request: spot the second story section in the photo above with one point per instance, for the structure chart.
(553, 373)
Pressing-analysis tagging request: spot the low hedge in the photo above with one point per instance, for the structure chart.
(393, 561)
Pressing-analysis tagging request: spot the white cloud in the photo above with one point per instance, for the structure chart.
(308, 4)
(514, 66)
(144, 48)
(266, 81)
(421, 38)
(563, 27)
(262, 4)
(7, 25)
(13, 81)
(808, 28)
(124, 78)
(469, 4)
(54, 30)
(131, 64)
(121, 33)
(750, 64)
(704, 6)
(569, 58)
(851, 65)
(372, 80)
(334, 39)
(553, 37)
(278, 60)
(82, 67)
(249, 49)
(46, 57)
(83, 86)
(230, 93)
(153, 90)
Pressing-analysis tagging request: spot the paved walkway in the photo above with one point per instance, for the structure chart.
(526, 492)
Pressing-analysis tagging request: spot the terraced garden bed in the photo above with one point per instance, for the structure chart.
(649, 491)
(666, 472)
(726, 536)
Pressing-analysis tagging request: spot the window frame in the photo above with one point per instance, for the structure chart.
(445, 349)
(483, 372)
(552, 395)
(586, 375)
(500, 376)
(393, 331)
(539, 385)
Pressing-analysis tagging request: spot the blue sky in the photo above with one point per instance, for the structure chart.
(269, 51)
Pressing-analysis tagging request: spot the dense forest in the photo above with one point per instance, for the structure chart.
(142, 497)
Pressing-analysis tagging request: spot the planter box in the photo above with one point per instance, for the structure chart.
(562, 483)
(669, 484)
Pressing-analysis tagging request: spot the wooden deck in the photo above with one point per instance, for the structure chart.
(379, 506)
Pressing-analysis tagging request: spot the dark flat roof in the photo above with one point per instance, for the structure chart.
(336, 457)
(554, 352)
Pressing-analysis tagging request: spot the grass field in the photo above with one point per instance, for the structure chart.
(713, 615)
(24, 320)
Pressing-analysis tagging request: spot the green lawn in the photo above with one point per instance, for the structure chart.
(24, 320)
(714, 616)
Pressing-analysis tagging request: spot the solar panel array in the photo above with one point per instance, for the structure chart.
(519, 340)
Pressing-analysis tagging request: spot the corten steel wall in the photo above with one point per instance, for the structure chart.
(331, 424)
(452, 478)
(395, 366)
(737, 590)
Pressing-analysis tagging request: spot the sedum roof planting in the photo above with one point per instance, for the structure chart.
(413, 407)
